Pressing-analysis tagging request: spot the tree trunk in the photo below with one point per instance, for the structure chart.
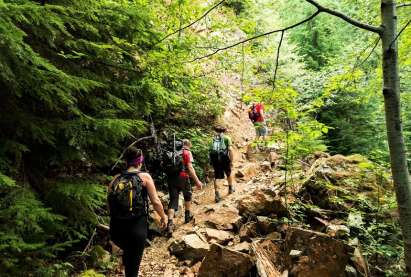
(391, 91)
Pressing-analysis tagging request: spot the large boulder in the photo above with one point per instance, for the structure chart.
(224, 218)
(319, 254)
(353, 178)
(189, 247)
(247, 171)
(262, 202)
(223, 262)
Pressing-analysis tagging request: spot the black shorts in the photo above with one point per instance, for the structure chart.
(175, 186)
(221, 168)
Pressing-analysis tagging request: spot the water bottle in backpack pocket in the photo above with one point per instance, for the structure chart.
(127, 197)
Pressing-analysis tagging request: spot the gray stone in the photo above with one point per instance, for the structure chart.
(295, 253)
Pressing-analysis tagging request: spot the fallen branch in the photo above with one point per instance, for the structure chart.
(134, 143)
(89, 242)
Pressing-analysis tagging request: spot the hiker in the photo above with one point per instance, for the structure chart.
(256, 115)
(221, 158)
(127, 199)
(179, 181)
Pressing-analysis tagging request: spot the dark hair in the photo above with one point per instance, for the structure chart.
(132, 153)
(220, 128)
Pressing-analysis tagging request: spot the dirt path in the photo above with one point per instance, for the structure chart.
(157, 260)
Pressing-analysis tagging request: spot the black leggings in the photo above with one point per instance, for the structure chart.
(130, 236)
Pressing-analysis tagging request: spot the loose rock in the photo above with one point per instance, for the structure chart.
(248, 171)
(218, 236)
(225, 218)
(222, 262)
(243, 247)
(266, 225)
(337, 230)
(190, 247)
(323, 255)
(248, 231)
(262, 202)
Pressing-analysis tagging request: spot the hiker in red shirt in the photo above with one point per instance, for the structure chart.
(180, 182)
(256, 115)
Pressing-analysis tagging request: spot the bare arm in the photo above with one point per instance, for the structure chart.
(193, 175)
(231, 154)
(262, 113)
(152, 194)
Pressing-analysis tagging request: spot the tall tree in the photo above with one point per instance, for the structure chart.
(391, 91)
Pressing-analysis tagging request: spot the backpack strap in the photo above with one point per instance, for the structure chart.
(143, 188)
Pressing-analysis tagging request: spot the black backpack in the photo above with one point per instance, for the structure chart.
(127, 198)
(219, 150)
(173, 162)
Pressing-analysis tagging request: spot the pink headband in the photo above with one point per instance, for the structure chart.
(135, 162)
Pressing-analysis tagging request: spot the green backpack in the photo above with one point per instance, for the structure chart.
(219, 149)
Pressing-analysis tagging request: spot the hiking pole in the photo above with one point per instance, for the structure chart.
(174, 148)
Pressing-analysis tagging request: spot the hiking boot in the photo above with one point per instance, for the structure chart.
(231, 189)
(188, 216)
(217, 197)
(170, 227)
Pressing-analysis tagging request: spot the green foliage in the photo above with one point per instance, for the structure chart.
(87, 198)
(91, 273)
(26, 227)
(301, 134)
(79, 80)
(355, 114)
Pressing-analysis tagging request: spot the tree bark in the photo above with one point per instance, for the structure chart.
(391, 91)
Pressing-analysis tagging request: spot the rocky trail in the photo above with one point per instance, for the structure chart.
(253, 232)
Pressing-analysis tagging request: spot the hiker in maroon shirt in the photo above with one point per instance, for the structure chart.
(256, 115)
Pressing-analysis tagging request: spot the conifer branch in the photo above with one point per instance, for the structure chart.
(255, 37)
(346, 18)
(192, 23)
